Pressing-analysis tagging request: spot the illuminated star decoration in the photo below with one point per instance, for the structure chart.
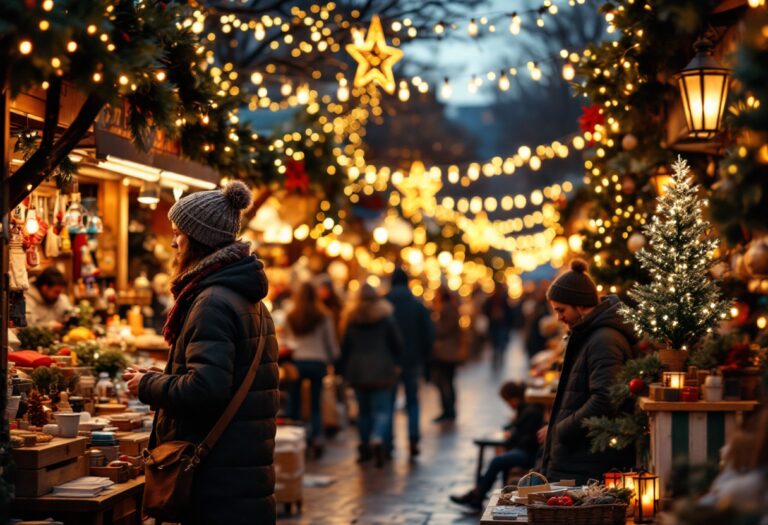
(418, 190)
(374, 58)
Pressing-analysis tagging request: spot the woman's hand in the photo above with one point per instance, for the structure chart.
(133, 376)
(541, 434)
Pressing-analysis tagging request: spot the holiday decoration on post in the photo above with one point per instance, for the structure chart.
(681, 305)
(591, 117)
(374, 58)
(636, 386)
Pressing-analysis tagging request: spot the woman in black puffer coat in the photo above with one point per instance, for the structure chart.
(214, 330)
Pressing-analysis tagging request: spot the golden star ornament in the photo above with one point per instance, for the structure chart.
(374, 58)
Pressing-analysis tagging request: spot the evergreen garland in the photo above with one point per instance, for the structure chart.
(681, 304)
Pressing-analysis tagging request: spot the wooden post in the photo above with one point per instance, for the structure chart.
(5, 173)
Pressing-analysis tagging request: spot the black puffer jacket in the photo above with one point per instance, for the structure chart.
(597, 348)
(235, 483)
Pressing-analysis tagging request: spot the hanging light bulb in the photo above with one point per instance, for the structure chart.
(149, 195)
(439, 28)
(343, 92)
(446, 91)
(286, 89)
(472, 28)
(403, 93)
(535, 72)
(31, 224)
(472, 87)
(503, 81)
(568, 71)
(514, 25)
(302, 94)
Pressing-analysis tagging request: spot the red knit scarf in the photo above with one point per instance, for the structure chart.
(188, 286)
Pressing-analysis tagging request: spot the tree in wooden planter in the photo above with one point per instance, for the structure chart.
(681, 305)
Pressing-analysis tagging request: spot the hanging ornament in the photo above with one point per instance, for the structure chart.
(66, 242)
(591, 117)
(629, 142)
(628, 185)
(635, 242)
(296, 178)
(31, 224)
(374, 58)
(74, 215)
(711, 168)
(756, 257)
(636, 386)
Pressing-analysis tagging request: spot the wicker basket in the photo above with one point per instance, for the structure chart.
(582, 515)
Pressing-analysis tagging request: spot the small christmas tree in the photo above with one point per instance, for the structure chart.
(37, 416)
(681, 304)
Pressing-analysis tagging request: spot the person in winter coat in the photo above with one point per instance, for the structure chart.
(598, 344)
(501, 319)
(214, 329)
(448, 352)
(370, 350)
(415, 324)
(47, 302)
(311, 333)
(521, 444)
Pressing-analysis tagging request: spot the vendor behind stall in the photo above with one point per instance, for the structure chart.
(47, 304)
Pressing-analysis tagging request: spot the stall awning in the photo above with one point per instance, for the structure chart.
(113, 141)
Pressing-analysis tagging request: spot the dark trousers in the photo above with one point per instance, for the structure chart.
(501, 464)
(409, 377)
(442, 376)
(315, 371)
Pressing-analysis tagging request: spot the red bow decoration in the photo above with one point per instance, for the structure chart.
(591, 117)
(296, 178)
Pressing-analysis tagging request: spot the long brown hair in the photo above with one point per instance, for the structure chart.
(307, 311)
(196, 252)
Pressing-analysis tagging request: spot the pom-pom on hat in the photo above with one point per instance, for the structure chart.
(212, 217)
(574, 287)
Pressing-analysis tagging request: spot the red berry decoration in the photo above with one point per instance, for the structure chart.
(637, 386)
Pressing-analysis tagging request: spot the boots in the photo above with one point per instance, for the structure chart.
(364, 453)
(379, 454)
(472, 499)
(415, 451)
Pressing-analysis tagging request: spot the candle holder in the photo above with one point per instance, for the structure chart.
(673, 379)
(648, 497)
(614, 478)
(629, 481)
(690, 394)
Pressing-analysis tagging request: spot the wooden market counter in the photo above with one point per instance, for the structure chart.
(690, 431)
(121, 505)
(487, 517)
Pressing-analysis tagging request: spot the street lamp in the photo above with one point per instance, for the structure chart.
(703, 86)
(662, 180)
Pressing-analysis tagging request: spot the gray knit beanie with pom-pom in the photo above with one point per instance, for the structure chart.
(574, 287)
(212, 217)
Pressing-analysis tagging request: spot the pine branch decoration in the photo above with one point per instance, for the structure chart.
(681, 305)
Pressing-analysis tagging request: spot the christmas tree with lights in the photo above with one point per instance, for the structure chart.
(681, 304)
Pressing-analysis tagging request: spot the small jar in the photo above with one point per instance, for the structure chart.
(713, 387)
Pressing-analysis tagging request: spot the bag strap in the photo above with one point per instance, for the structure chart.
(213, 436)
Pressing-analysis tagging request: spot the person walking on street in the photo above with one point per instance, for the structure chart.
(500, 321)
(370, 350)
(214, 330)
(311, 334)
(598, 344)
(448, 352)
(415, 324)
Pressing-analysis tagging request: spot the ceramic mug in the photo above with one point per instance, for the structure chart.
(68, 423)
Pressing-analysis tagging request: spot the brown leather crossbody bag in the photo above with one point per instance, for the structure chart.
(169, 468)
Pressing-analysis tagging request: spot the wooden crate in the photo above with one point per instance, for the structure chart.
(43, 455)
(133, 443)
(31, 483)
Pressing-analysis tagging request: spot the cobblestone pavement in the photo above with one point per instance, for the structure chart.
(413, 493)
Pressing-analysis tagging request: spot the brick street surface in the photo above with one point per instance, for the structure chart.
(413, 493)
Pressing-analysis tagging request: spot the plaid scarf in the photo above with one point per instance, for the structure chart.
(186, 287)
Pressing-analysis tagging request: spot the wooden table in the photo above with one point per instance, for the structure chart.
(542, 396)
(487, 517)
(691, 431)
(121, 505)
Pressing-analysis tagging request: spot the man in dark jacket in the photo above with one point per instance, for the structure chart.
(214, 329)
(521, 445)
(599, 342)
(415, 324)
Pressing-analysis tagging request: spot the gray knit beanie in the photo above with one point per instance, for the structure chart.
(212, 217)
(574, 287)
